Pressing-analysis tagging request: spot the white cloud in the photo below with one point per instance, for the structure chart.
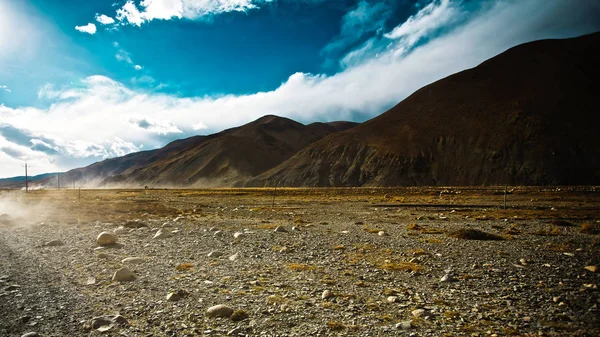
(137, 67)
(147, 10)
(5, 88)
(101, 117)
(123, 56)
(366, 18)
(90, 28)
(104, 19)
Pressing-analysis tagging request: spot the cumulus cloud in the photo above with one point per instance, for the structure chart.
(136, 13)
(90, 28)
(137, 67)
(100, 117)
(5, 88)
(104, 19)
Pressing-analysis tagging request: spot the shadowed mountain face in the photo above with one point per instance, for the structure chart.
(221, 159)
(527, 116)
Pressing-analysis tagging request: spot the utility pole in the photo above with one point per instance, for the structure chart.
(26, 180)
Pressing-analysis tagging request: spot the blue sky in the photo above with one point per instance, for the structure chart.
(81, 81)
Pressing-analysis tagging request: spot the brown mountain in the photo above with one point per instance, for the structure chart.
(221, 159)
(527, 116)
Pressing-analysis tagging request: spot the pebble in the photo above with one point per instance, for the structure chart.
(404, 325)
(327, 294)
(392, 299)
(219, 310)
(133, 260)
(218, 234)
(234, 257)
(160, 234)
(31, 334)
(418, 312)
(591, 268)
(106, 239)
(177, 295)
(238, 235)
(281, 229)
(214, 254)
(53, 243)
(382, 233)
(119, 230)
(448, 278)
(123, 275)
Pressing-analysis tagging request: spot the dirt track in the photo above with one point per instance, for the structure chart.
(532, 282)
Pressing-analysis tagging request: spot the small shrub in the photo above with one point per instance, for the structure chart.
(239, 315)
(401, 266)
(414, 227)
(336, 326)
(474, 234)
(590, 228)
(184, 266)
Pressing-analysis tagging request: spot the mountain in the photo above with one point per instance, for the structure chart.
(19, 182)
(223, 159)
(527, 116)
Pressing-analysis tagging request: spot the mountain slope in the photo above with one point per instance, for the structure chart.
(221, 159)
(526, 116)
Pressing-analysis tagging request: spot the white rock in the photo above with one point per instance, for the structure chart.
(234, 257)
(214, 254)
(120, 230)
(218, 234)
(133, 260)
(160, 234)
(448, 278)
(327, 294)
(404, 325)
(280, 229)
(392, 299)
(219, 310)
(382, 233)
(123, 275)
(418, 312)
(238, 235)
(106, 239)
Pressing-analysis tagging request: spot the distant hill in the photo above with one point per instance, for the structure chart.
(223, 159)
(19, 182)
(527, 116)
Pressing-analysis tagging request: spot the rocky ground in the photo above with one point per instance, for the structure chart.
(300, 262)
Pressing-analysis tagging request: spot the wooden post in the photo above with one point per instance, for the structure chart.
(26, 180)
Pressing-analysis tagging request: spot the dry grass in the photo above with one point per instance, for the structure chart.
(590, 228)
(336, 326)
(267, 226)
(300, 267)
(550, 231)
(372, 230)
(400, 266)
(474, 234)
(184, 267)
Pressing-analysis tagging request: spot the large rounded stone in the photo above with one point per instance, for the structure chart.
(106, 239)
(219, 310)
(123, 275)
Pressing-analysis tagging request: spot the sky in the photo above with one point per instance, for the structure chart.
(82, 81)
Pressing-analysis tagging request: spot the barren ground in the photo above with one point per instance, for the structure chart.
(533, 282)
